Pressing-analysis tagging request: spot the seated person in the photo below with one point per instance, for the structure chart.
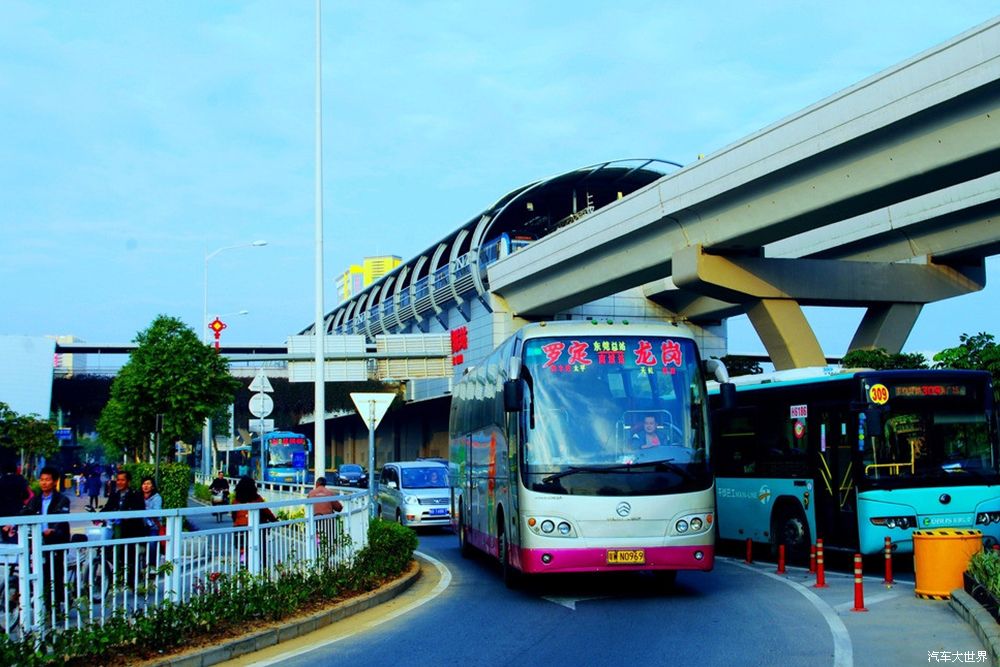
(647, 436)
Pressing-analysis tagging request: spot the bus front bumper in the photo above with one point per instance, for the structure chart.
(542, 561)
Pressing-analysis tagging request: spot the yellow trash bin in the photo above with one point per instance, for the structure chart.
(939, 559)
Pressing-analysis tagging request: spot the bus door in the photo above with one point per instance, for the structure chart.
(836, 510)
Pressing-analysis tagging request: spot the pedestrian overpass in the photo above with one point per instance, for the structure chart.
(884, 195)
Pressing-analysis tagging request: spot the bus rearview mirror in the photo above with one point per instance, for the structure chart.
(513, 395)
(727, 392)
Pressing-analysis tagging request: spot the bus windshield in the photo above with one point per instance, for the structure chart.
(280, 456)
(927, 444)
(614, 416)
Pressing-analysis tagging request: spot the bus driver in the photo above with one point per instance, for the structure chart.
(648, 437)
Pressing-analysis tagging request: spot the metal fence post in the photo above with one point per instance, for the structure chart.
(175, 530)
(24, 578)
(253, 548)
(37, 588)
(310, 554)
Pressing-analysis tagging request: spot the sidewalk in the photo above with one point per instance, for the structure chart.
(897, 622)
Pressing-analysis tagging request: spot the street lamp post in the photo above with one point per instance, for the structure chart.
(206, 435)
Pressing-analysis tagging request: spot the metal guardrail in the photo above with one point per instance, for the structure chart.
(96, 576)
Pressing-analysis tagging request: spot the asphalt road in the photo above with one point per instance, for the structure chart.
(460, 613)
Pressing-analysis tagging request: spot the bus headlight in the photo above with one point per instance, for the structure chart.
(693, 523)
(550, 526)
(986, 518)
(902, 522)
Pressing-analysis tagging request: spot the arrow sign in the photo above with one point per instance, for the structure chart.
(261, 383)
(371, 407)
(261, 405)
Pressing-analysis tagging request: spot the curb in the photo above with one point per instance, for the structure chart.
(982, 623)
(234, 648)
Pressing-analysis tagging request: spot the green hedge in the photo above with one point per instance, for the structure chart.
(175, 481)
(984, 567)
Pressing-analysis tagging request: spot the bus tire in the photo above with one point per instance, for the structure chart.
(507, 571)
(790, 528)
(463, 539)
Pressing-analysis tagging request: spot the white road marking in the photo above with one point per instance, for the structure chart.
(568, 602)
(843, 649)
(443, 583)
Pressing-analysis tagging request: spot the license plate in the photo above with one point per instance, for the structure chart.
(626, 556)
(438, 511)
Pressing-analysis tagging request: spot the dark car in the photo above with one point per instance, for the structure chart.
(351, 474)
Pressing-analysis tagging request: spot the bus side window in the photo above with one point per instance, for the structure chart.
(738, 444)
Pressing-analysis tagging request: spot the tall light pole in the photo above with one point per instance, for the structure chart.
(319, 386)
(206, 434)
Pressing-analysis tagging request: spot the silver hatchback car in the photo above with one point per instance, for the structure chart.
(414, 493)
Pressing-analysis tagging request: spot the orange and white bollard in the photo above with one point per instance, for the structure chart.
(781, 559)
(812, 559)
(749, 551)
(888, 562)
(820, 570)
(859, 591)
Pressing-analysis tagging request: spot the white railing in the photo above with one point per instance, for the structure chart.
(95, 576)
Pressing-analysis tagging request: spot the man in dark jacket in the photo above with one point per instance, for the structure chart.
(48, 502)
(123, 499)
(13, 494)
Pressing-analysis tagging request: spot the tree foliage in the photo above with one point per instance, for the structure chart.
(171, 373)
(28, 433)
(737, 364)
(880, 360)
(978, 352)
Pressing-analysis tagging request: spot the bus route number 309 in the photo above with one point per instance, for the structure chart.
(626, 556)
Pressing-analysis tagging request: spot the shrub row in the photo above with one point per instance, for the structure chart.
(226, 604)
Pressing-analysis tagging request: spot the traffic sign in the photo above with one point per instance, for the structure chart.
(261, 425)
(64, 434)
(261, 405)
(371, 407)
(261, 383)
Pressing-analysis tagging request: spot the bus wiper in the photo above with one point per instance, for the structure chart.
(572, 470)
(667, 464)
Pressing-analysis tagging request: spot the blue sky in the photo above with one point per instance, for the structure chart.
(136, 137)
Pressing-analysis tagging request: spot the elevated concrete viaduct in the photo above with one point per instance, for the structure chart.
(920, 140)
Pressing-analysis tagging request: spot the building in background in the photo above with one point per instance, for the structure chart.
(66, 364)
(356, 278)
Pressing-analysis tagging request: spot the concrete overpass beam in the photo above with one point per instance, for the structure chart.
(787, 336)
(887, 326)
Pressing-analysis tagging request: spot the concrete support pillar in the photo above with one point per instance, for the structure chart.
(886, 325)
(787, 336)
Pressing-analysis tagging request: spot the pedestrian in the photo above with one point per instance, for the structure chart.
(321, 491)
(154, 501)
(245, 493)
(78, 479)
(14, 492)
(93, 491)
(50, 501)
(124, 499)
(220, 493)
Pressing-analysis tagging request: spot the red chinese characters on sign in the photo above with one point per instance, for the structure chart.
(644, 354)
(459, 342)
(610, 352)
(578, 353)
(670, 353)
(552, 353)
